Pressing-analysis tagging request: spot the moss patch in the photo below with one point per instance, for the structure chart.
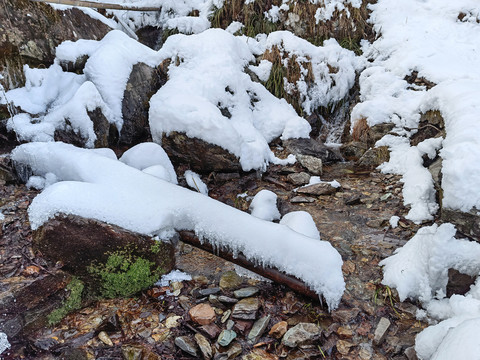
(73, 302)
(125, 274)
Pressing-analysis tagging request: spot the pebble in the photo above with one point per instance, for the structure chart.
(103, 336)
(227, 300)
(344, 346)
(212, 330)
(172, 322)
(187, 345)
(202, 314)
(245, 292)
(381, 331)
(300, 178)
(132, 352)
(209, 291)
(344, 316)
(301, 334)
(311, 163)
(258, 329)
(230, 280)
(246, 309)
(226, 337)
(278, 330)
(225, 316)
(317, 189)
(204, 346)
(230, 324)
(410, 353)
(301, 199)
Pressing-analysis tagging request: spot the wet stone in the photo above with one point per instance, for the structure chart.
(301, 178)
(230, 280)
(187, 345)
(245, 292)
(226, 337)
(278, 330)
(258, 329)
(227, 300)
(202, 314)
(209, 291)
(242, 326)
(301, 334)
(230, 324)
(204, 346)
(381, 331)
(211, 330)
(246, 309)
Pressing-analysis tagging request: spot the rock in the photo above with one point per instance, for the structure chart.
(211, 330)
(230, 280)
(258, 329)
(467, 223)
(234, 350)
(200, 155)
(300, 178)
(230, 324)
(204, 346)
(132, 352)
(410, 353)
(301, 334)
(313, 164)
(458, 283)
(226, 337)
(91, 241)
(344, 316)
(7, 172)
(381, 331)
(172, 321)
(310, 147)
(353, 200)
(31, 31)
(245, 292)
(435, 169)
(144, 81)
(278, 330)
(227, 300)
(301, 199)
(103, 336)
(431, 125)
(377, 223)
(374, 157)
(318, 189)
(344, 332)
(187, 345)
(243, 326)
(225, 316)
(343, 346)
(246, 309)
(259, 354)
(209, 291)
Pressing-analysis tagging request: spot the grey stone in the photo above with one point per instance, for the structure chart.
(374, 157)
(300, 178)
(231, 352)
(308, 146)
(318, 189)
(313, 164)
(209, 291)
(230, 324)
(258, 329)
(227, 300)
(301, 334)
(230, 280)
(204, 346)
(187, 345)
(410, 353)
(226, 337)
(467, 223)
(301, 200)
(353, 150)
(246, 309)
(245, 292)
(435, 169)
(381, 331)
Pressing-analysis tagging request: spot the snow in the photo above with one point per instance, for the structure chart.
(419, 270)
(152, 159)
(207, 75)
(95, 186)
(4, 344)
(326, 11)
(2, 217)
(301, 222)
(264, 206)
(394, 221)
(195, 182)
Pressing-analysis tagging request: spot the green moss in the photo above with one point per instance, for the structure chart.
(351, 44)
(125, 274)
(275, 82)
(73, 302)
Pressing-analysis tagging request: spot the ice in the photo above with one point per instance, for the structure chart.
(195, 182)
(264, 206)
(99, 187)
(4, 344)
(150, 158)
(2, 217)
(301, 222)
(174, 275)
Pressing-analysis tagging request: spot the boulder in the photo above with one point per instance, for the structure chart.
(467, 223)
(200, 155)
(318, 189)
(374, 157)
(353, 150)
(312, 148)
(144, 82)
(79, 243)
(31, 31)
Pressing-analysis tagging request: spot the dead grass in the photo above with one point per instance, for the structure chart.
(361, 131)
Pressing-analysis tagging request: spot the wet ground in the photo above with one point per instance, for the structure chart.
(354, 220)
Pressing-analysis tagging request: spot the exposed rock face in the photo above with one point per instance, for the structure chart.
(466, 222)
(374, 157)
(77, 242)
(31, 31)
(144, 81)
(200, 155)
(312, 148)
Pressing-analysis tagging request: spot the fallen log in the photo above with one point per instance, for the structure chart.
(275, 275)
(99, 5)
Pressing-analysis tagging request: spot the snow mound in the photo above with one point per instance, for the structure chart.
(419, 270)
(195, 182)
(210, 97)
(301, 222)
(99, 187)
(264, 206)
